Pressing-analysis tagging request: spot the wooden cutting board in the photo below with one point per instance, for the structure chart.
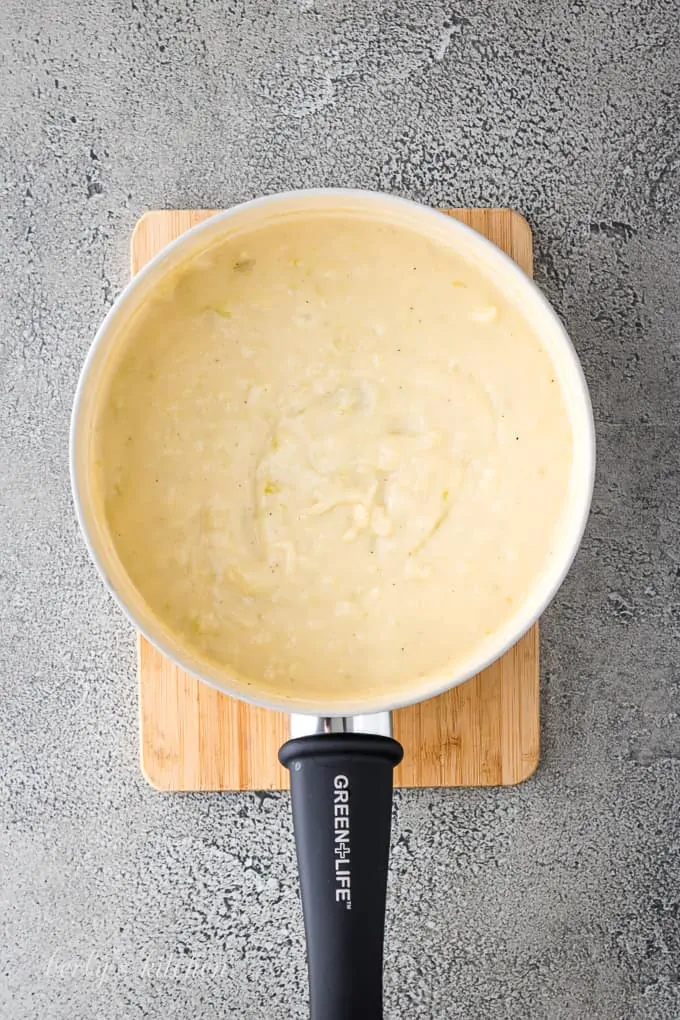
(483, 733)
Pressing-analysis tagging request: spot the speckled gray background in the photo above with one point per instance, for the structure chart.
(558, 899)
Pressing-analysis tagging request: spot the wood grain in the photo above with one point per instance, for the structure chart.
(483, 733)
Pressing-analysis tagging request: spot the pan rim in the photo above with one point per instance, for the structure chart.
(421, 688)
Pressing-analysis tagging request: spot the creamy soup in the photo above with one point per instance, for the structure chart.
(332, 456)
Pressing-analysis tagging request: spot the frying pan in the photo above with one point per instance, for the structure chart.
(341, 754)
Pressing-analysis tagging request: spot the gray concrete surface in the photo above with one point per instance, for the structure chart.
(559, 899)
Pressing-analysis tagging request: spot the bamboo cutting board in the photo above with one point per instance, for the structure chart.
(483, 733)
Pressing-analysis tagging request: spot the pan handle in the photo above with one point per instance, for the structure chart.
(341, 790)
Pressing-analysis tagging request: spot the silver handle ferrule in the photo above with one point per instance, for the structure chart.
(379, 723)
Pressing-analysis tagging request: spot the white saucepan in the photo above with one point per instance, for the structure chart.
(341, 755)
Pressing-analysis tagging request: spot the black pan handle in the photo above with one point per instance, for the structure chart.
(341, 790)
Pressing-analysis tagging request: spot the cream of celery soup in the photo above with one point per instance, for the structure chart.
(332, 456)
